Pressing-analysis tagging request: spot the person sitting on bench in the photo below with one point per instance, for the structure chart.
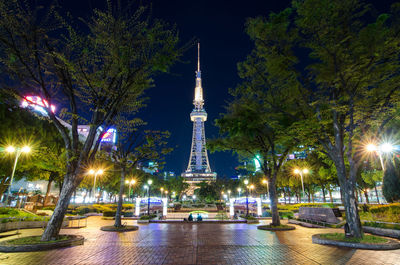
(190, 219)
(199, 218)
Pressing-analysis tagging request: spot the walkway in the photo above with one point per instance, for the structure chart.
(197, 244)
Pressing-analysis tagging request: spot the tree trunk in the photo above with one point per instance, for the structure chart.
(323, 193)
(284, 194)
(366, 196)
(121, 191)
(376, 193)
(330, 195)
(51, 179)
(273, 197)
(348, 188)
(290, 195)
(54, 225)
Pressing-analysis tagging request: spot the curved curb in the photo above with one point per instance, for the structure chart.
(390, 245)
(266, 227)
(74, 240)
(127, 228)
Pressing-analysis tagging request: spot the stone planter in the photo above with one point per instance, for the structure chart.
(73, 240)
(252, 221)
(268, 228)
(143, 221)
(382, 231)
(4, 227)
(126, 228)
(390, 244)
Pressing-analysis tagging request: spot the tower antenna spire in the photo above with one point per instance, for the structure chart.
(198, 57)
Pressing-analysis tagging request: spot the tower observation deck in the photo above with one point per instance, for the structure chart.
(198, 169)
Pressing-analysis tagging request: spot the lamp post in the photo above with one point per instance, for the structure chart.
(161, 191)
(229, 194)
(130, 182)
(149, 182)
(265, 181)
(239, 190)
(12, 149)
(166, 195)
(246, 182)
(385, 148)
(300, 172)
(95, 173)
(251, 187)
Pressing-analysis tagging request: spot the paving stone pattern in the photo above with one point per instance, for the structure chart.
(196, 244)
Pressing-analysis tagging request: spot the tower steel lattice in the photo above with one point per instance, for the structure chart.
(198, 169)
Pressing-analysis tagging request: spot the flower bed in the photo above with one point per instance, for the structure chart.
(33, 243)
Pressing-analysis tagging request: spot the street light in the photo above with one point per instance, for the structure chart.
(12, 149)
(301, 172)
(95, 173)
(246, 182)
(385, 148)
(229, 194)
(131, 182)
(161, 189)
(149, 182)
(239, 190)
(265, 181)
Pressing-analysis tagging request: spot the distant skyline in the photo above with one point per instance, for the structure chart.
(219, 26)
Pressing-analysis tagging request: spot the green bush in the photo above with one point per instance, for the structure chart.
(109, 213)
(393, 208)
(249, 217)
(127, 214)
(382, 225)
(9, 211)
(147, 217)
(85, 209)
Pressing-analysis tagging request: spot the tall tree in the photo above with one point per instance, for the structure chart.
(138, 147)
(99, 69)
(346, 74)
(255, 126)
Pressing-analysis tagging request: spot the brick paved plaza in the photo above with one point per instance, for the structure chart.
(197, 244)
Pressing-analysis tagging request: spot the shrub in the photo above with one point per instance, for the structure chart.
(109, 213)
(393, 208)
(85, 209)
(127, 214)
(9, 211)
(147, 217)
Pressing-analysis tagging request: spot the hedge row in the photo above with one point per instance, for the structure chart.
(393, 208)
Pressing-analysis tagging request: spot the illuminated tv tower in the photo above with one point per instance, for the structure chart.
(198, 169)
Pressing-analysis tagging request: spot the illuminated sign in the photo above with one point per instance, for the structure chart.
(110, 136)
(38, 104)
(257, 163)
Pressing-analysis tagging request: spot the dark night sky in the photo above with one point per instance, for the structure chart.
(220, 27)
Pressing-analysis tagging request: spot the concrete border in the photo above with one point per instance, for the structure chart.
(382, 231)
(390, 245)
(73, 240)
(9, 226)
(268, 228)
(126, 228)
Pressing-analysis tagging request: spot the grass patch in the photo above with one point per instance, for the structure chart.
(31, 240)
(367, 239)
(15, 215)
